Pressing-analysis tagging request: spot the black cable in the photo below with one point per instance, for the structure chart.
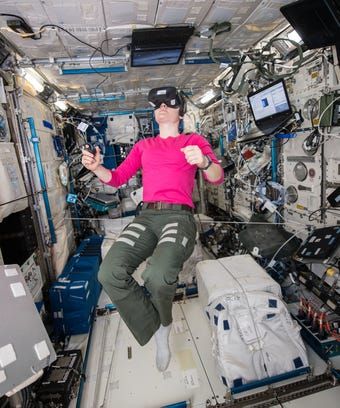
(117, 50)
(21, 198)
(69, 33)
(96, 88)
(278, 401)
(106, 77)
(282, 144)
(103, 54)
(321, 209)
(13, 15)
(261, 61)
(92, 67)
(81, 41)
(97, 72)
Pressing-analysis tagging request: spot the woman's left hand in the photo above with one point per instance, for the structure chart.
(193, 155)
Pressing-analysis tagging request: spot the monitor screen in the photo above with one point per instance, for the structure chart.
(270, 101)
(153, 57)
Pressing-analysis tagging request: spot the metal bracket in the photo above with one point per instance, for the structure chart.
(36, 207)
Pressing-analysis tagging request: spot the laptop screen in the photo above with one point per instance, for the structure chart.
(270, 102)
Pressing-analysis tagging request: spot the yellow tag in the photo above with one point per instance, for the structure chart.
(315, 122)
(314, 75)
(300, 207)
(330, 272)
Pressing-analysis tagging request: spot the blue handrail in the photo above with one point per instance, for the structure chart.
(35, 141)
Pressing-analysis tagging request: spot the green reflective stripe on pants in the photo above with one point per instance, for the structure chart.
(167, 238)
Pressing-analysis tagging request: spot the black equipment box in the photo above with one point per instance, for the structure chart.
(60, 382)
(268, 238)
(320, 246)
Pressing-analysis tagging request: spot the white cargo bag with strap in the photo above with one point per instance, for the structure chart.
(253, 334)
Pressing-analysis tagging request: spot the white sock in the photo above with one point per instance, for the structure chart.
(163, 351)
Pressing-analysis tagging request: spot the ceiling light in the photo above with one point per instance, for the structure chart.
(102, 98)
(79, 71)
(36, 82)
(62, 105)
(294, 36)
(208, 96)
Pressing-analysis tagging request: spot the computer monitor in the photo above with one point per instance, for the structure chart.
(159, 46)
(155, 56)
(270, 106)
(316, 21)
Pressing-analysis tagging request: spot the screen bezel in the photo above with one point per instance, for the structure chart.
(278, 115)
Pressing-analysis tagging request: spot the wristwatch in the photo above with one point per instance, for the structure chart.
(209, 163)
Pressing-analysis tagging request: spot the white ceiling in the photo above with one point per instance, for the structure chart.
(96, 20)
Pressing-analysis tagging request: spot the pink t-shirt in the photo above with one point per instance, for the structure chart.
(167, 176)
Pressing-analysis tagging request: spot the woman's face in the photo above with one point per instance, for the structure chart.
(164, 114)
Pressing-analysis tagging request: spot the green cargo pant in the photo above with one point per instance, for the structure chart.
(168, 238)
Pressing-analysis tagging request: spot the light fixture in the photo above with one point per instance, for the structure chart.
(294, 36)
(125, 112)
(227, 57)
(208, 96)
(101, 70)
(33, 79)
(102, 98)
(62, 105)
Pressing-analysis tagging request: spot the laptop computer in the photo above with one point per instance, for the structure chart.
(270, 107)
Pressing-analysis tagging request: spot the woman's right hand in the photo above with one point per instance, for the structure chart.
(89, 160)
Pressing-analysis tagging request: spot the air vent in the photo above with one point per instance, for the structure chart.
(291, 195)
